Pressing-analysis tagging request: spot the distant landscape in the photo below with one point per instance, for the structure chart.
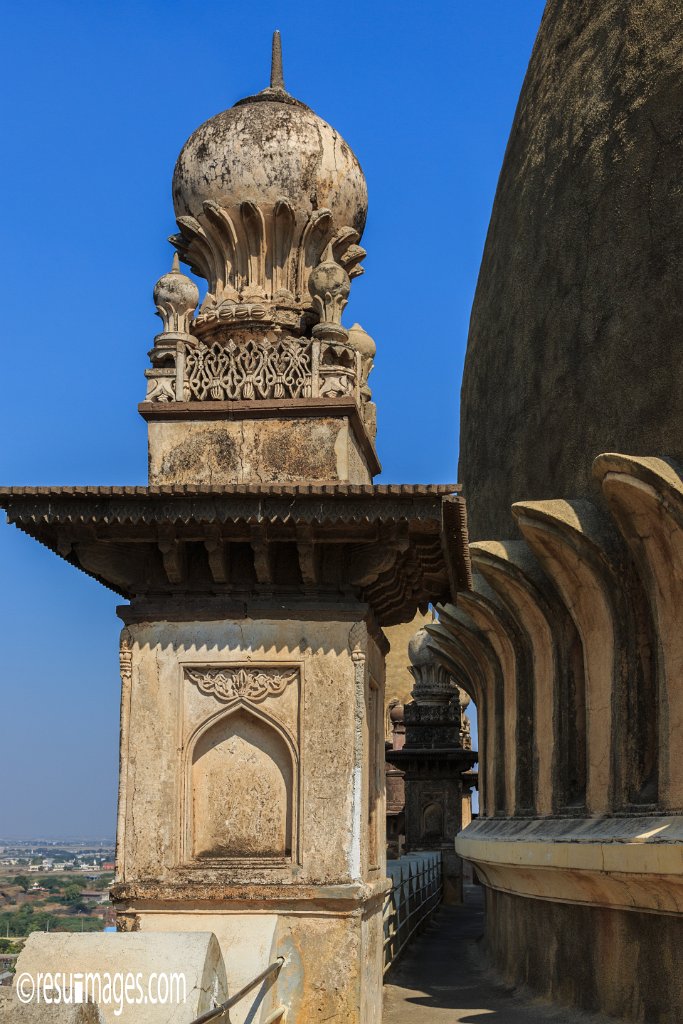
(52, 885)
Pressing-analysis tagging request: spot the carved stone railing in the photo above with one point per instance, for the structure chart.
(253, 370)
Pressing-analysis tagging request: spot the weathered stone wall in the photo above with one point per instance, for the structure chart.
(631, 966)
(251, 801)
(282, 449)
(570, 639)
(574, 337)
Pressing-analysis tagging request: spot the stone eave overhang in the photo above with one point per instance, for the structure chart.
(321, 501)
(397, 546)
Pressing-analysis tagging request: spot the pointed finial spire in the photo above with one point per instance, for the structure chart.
(276, 77)
(175, 266)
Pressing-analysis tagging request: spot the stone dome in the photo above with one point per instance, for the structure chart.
(267, 148)
(262, 193)
(420, 649)
(574, 346)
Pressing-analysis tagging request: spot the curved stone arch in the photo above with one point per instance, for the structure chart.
(645, 497)
(470, 680)
(511, 647)
(290, 778)
(431, 821)
(559, 748)
(583, 555)
(455, 657)
(479, 674)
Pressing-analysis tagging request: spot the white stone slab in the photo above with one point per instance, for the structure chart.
(150, 977)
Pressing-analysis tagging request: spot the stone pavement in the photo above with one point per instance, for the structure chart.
(442, 979)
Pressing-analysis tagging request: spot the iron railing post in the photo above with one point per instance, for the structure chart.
(224, 1008)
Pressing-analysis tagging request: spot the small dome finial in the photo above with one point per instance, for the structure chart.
(277, 80)
(175, 266)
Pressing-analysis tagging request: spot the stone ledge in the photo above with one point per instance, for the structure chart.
(620, 863)
(247, 896)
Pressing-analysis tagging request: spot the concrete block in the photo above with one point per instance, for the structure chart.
(141, 977)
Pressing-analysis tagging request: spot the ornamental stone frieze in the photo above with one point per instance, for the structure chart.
(243, 682)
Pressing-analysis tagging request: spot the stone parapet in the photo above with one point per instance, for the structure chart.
(619, 863)
(13, 1011)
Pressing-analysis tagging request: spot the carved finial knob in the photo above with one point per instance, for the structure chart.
(176, 297)
(329, 285)
(420, 651)
(396, 713)
(361, 341)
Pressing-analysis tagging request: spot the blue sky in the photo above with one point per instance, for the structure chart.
(96, 102)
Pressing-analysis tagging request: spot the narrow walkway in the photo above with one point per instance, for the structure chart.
(441, 980)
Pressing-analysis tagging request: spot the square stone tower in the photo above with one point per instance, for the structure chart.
(259, 566)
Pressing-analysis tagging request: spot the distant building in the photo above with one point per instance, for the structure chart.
(101, 896)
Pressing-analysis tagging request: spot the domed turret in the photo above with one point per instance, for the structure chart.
(434, 683)
(268, 148)
(260, 191)
(396, 713)
(420, 649)
(176, 298)
(270, 203)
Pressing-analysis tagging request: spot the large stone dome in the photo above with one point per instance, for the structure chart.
(575, 337)
(267, 148)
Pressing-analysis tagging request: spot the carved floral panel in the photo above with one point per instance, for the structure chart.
(250, 683)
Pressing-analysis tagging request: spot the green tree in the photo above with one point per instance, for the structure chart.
(23, 882)
(72, 893)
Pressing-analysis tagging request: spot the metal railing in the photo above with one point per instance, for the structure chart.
(416, 892)
(222, 1012)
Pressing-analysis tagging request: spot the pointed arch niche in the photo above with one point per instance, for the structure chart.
(242, 790)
